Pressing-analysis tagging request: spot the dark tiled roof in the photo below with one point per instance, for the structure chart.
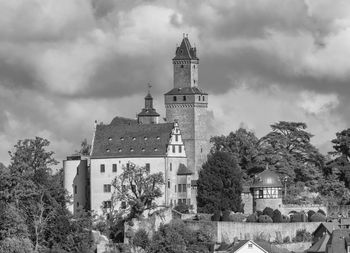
(337, 241)
(183, 170)
(185, 51)
(120, 120)
(151, 112)
(320, 245)
(186, 91)
(131, 140)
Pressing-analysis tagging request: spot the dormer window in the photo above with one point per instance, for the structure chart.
(145, 138)
(110, 138)
(120, 150)
(121, 138)
(143, 150)
(133, 138)
(158, 138)
(155, 149)
(108, 150)
(131, 150)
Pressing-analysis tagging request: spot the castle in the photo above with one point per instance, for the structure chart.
(177, 147)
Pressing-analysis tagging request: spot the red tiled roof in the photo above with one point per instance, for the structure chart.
(125, 138)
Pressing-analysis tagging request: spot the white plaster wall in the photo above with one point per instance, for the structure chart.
(254, 249)
(70, 171)
(98, 179)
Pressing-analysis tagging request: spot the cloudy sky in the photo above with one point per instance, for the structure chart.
(66, 63)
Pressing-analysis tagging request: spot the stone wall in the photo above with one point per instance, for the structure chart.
(227, 231)
(286, 209)
(295, 246)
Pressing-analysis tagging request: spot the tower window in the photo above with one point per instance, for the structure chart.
(148, 166)
(184, 98)
(194, 81)
(203, 98)
(180, 149)
(199, 98)
(75, 189)
(174, 98)
(182, 66)
(171, 166)
(176, 137)
(169, 184)
(173, 148)
(77, 170)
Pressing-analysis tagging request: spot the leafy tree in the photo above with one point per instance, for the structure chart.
(288, 149)
(219, 184)
(85, 148)
(138, 189)
(243, 145)
(334, 190)
(309, 214)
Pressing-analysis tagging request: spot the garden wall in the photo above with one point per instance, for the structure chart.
(286, 209)
(227, 231)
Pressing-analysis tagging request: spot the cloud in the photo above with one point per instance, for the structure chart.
(63, 61)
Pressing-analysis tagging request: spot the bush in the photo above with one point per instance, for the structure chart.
(237, 217)
(286, 239)
(318, 217)
(303, 236)
(268, 211)
(298, 217)
(321, 212)
(309, 214)
(277, 216)
(285, 219)
(265, 219)
(16, 245)
(252, 218)
(225, 215)
(258, 213)
(141, 238)
(182, 208)
(216, 216)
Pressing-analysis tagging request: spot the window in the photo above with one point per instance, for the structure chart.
(199, 98)
(250, 245)
(176, 137)
(171, 166)
(106, 188)
(114, 167)
(77, 204)
(203, 98)
(173, 148)
(182, 66)
(179, 187)
(184, 98)
(107, 204)
(148, 166)
(261, 194)
(174, 98)
(169, 184)
(102, 168)
(189, 202)
(184, 189)
(175, 188)
(77, 170)
(180, 149)
(194, 81)
(75, 189)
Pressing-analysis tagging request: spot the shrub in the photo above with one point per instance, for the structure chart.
(268, 211)
(225, 215)
(321, 212)
(285, 219)
(309, 214)
(265, 219)
(252, 218)
(286, 239)
(216, 216)
(303, 236)
(318, 217)
(237, 217)
(258, 213)
(182, 208)
(141, 238)
(298, 217)
(277, 216)
(17, 245)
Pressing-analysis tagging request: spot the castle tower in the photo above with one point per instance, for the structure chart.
(148, 115)
(187, 104)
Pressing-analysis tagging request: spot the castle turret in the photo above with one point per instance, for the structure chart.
(187, 104)
(148, 115)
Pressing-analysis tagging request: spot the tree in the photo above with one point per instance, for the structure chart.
(219, 184)
(243, 145)
(288, 150)
(138, 189)
(85, 148)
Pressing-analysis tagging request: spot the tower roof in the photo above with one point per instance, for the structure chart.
(148, 110)
(185, 51)
(267, 178)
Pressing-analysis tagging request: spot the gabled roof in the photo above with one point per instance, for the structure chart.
(320, 245)
(329, 226)
(185, 51)
(125, 138)
(186, 91)
(337, 241)
(121, 120)
(183, 170)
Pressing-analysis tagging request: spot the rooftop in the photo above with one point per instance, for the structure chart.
(267, 178)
